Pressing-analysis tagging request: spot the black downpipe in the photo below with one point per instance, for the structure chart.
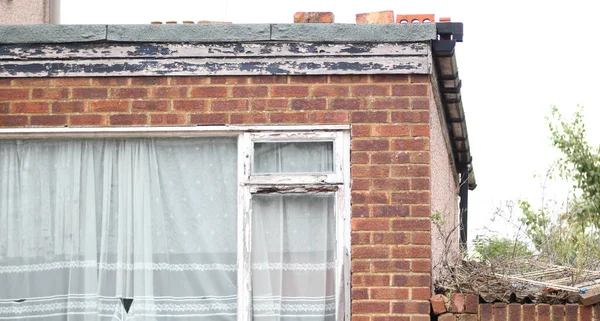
(464, 201)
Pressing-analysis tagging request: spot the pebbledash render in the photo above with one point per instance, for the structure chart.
(381, 103)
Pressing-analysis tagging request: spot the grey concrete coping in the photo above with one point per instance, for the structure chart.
(13, 34)
(314, 32)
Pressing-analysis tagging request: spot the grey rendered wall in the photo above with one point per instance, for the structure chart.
(24, 12)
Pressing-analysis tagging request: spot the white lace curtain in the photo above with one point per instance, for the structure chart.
(145, 229)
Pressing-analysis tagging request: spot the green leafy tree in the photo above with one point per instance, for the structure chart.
(494, 248)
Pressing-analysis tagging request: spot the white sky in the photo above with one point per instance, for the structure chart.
(518, 58)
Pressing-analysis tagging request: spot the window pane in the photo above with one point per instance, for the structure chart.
(86, 222)
(293, 157)
(293, 257)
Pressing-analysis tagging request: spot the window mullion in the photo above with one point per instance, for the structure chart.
(244, 228)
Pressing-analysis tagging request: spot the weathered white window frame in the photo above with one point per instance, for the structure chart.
(337, 182)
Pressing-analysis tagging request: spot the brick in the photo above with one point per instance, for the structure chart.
(128, 119)
(467, 317)
(329, 91)
(370, 224)
(49, 120)
(169, 92)
(361, 238)
(596, 313)
(486, 311)
(168, 119)
(390, 158)
(12, 121)
(379, 17)
(31, 107)
(500, 312)
(543, 311)
(420, 103)
(411, 197)
(370, 252)
(528, 311)
(390, 266)
(210, 119)
(414, 79)
(389, 294)
(329, 117)
(13, 94)
(309, 104)
(419, 266)
(370, 280)
(410, 90)
(50, 93)
(152, 81)
(411, 280)
(88, 120)
(420, 238)
(229, 80)
(409, 170)
(308, 79)
(269, 80)
(110, 81)
(360, 293)
(419, 130)
(411, 224)
(420, 293)
(150, 105)
(389, 130)
(390, 238)
(5, 109)
(448, 317)
(347, 103)
(289, 118)
(392, 103)
(250, 91)
(71, 81)
(369, 170)
(571, 312)
(410, 116)
(361, 318)
(361, 184)
(368, 307)
(419, 158)
(369, 117)
(370, 90)
(410, 307)
(190, 105)
(360, 211)
(411, 144)
(250, 118)
(110, 106)
(360, 266)
(557, 312)
(369, 198)
(411, 251)
(361, 130)
(420, 211)
(5, 82)
(68, 107)
(313, 17)
(392, 184)
(356, 159)
(269, 104)
(585, 313)
(229, 105)
(348, 79)
(394, 78)
(420, 184)
(289, 91)
(208, 92)
(30, 82)
(514, 312)
(457, 303)
(180, 81)
(370, 144)
(89, 93)
(438, 304)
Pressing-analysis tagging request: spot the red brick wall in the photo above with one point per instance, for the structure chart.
(527, 312)
(391, 255)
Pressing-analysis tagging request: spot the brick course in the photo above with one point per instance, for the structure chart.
(391, 254)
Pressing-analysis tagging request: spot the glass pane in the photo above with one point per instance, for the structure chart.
(293, 257)
(293, 157)
(86, 222)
